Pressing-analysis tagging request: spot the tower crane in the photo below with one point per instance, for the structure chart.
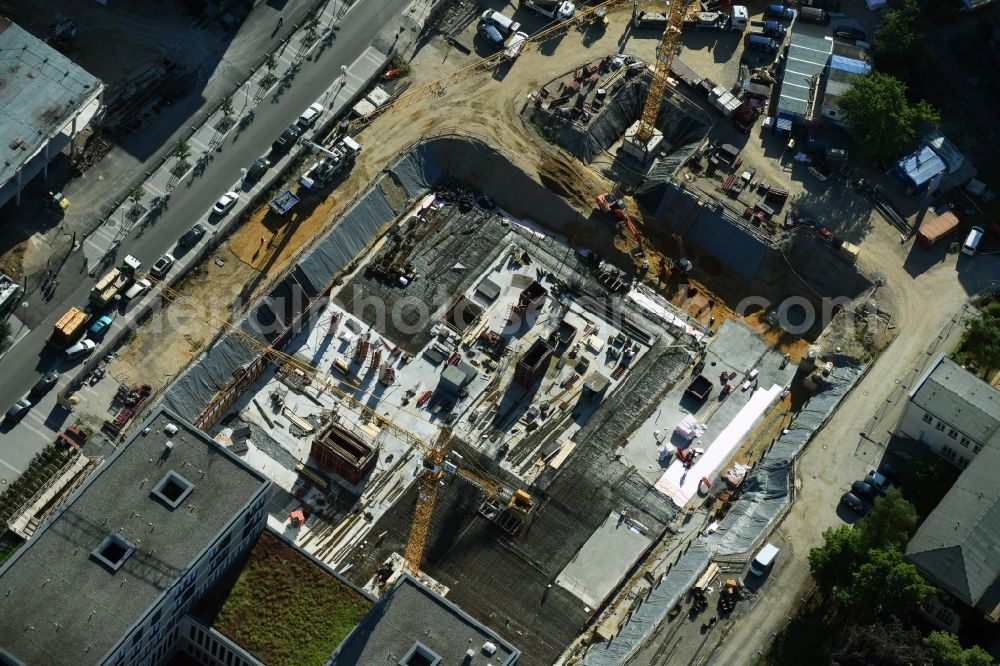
(516, 503)
(643, 139)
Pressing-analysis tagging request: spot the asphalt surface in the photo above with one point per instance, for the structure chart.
(23, 364)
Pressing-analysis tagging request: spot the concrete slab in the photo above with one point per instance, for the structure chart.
(734, 348)
(604, 559)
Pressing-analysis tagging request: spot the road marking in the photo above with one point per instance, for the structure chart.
(11, 467)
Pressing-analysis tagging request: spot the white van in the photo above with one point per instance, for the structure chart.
(505, 25)
(972, 241)
(765, 558)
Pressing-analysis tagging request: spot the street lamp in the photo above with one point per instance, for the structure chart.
(343, 75)
(24, 310)
(246, 100)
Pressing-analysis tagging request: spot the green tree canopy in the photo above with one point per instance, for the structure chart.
(886, 586)
(881, 117)
(890, 524)
(883, 644)
(833, 564)
(900, 41)
(982, 337)
(943, 649)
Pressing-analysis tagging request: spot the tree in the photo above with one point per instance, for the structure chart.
(890, 524)
(833, 564)
(883, 119)
(886, 586)
(5, 331)
(982, 337)
(883, 644)
(270, 62)
(182, 150)
(900, 44)
(226, 106)
(943, 649)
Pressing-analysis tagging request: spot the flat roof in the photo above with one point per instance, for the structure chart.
(60, 604)
(40, 90)
(409, 614)
(807, 58)
(283, 606)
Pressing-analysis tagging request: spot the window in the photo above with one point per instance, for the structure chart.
(939, 426)
(964, 441)
(977, 448)
(948, 452)
(172, 489)
(113, 552)
(928, 418)
(952, 433)
(963, 462)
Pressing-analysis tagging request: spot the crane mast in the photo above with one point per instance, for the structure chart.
(643, 138)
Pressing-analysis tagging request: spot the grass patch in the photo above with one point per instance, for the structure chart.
(282, 607)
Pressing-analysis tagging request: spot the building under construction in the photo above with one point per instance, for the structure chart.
(344, 453)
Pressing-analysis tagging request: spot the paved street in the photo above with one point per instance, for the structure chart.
(21, 366)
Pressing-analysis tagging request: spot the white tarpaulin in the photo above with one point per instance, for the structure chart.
(680, 484)
(688, 427)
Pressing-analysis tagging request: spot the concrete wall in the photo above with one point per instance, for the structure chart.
(945, 439)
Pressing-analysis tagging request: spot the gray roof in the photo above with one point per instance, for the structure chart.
(54, 579)
(40, 89)
(411, 613)
(808, 56)
(959, 398)
(958, 546)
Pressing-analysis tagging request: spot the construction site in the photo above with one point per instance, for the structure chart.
(525, 378)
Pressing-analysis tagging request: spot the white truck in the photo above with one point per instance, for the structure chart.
(559, 10)
(336, 159)
(719, 21)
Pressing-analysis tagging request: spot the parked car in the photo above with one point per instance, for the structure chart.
(491, 34)
(82, 348)
(310, 115)
(100, 327)
(849, 33)
(879, 481)
(162, 266)
(287, 139)
(505, 25)
(44, 384)
(18, 410)
(864, 490)
(256, 170)
(137, 288)
(192, 236)
(853, 502)
(779, 12)
(225, 202)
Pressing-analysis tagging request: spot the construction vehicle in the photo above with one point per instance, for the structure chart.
(719, 21)
(768, 28)
(613, 204)
(336, 160)
(760, 42)
(114, 282)
(68, 328)
(557, 10)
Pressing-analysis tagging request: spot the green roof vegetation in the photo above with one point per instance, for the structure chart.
(282, 607)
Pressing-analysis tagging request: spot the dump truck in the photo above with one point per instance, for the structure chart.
(69, 328)
(718, 21)
(114, 282)
(554, 9)
(760, 42)
(769, 28)
(337, 158)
